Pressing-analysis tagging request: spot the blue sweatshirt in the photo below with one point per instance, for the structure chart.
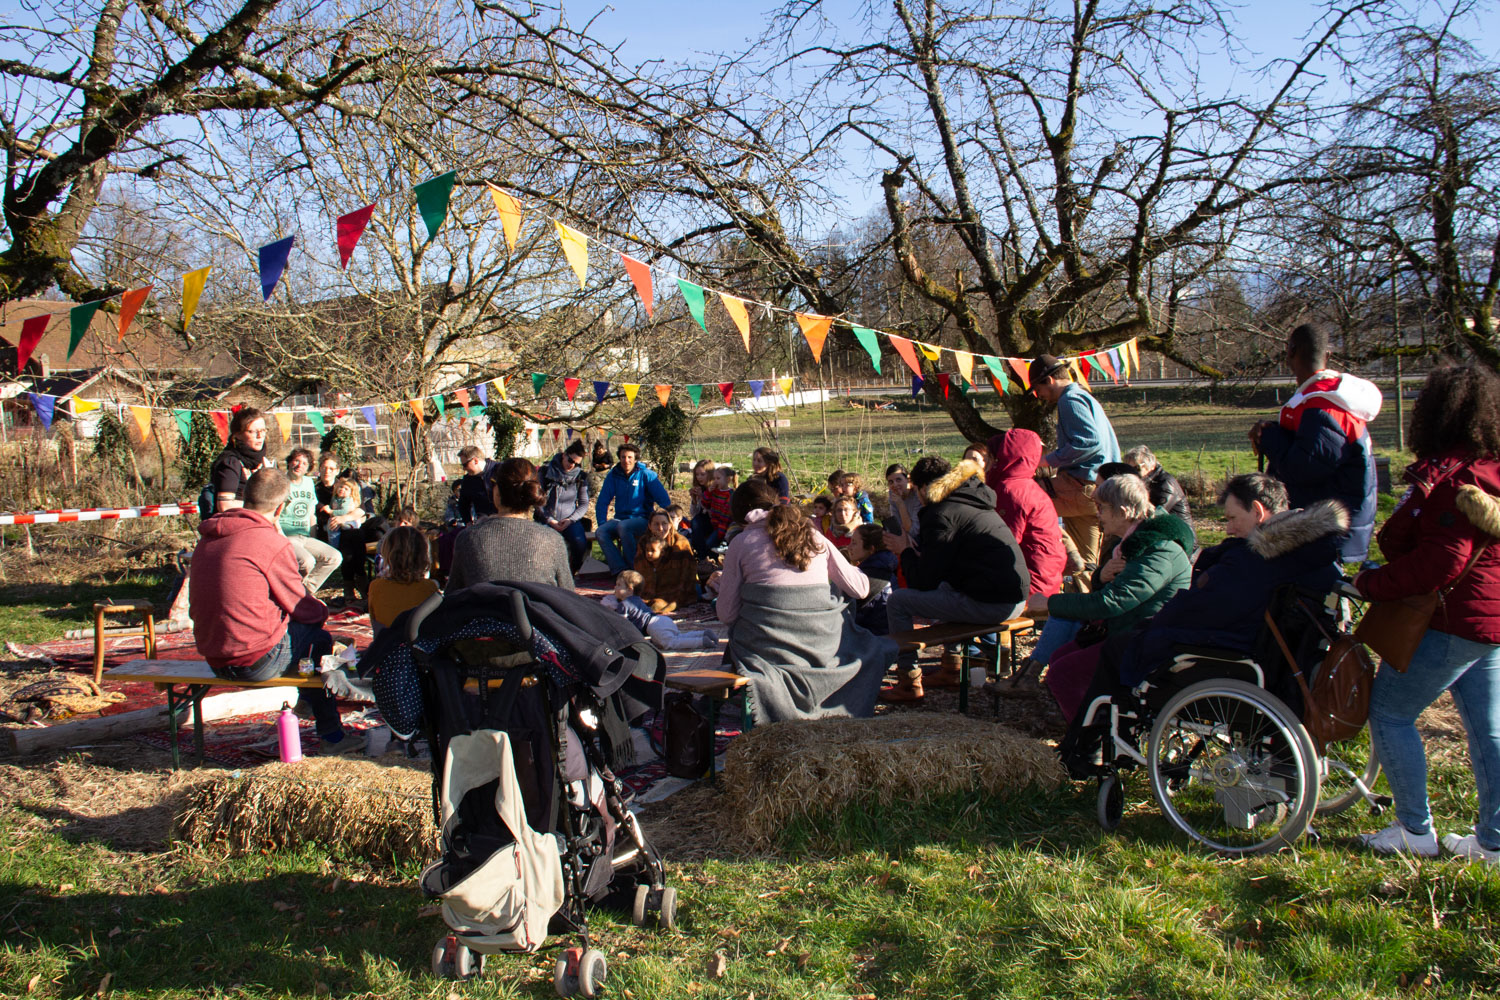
(635, 495)
(1085, 438)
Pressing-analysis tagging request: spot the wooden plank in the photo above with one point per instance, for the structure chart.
(64, 734)
(198, 672)
(720, 683)
(944, 633)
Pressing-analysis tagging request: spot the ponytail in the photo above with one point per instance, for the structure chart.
(793, 537)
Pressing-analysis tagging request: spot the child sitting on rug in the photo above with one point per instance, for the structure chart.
(868, 552)
(662, 630)
(405, 558)
(666, 562)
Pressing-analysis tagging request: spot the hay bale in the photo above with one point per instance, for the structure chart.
(359, 807)
(776, 773)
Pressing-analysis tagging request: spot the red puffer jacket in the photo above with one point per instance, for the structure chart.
(1025, 507)
(1453, 505)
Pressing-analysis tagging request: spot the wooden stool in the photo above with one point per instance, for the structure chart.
(145, 630)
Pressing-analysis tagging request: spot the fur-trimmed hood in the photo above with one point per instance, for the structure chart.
(1482, 510)
(1159, 529)
(1291, 529)
(943, 488)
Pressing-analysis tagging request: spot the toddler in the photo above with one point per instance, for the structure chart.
(662, 630)
(405, 558)
(344, 511)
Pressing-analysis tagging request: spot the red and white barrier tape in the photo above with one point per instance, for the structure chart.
(99, 514)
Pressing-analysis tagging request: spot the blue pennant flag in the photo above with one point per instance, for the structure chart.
(483, 393)
(757, 386)
(601, 389)
(916, 385)
(44, 405)
(273, 257)
(369, 412)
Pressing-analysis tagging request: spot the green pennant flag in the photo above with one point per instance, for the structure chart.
(693, 295)
(432, 201)
(695, 392)
(316, 419)
(997, 369)
(537, 381)
(184, 424)
(867, 340)
(958, 383)
(442, 409)
(80, 317)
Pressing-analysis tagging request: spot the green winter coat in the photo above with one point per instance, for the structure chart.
(1156, 567)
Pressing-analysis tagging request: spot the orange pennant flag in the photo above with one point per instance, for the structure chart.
(631, 388)
(999, 389)
(640, 276)
(908, 354)
(142, 415)
(284, 422)
(662, 392)
(509, 211)
(736, 309)
(1022, 371)
(965, 365)
(1077, 372)
(130, 304)
(416, 408)
(815, 329)
(1135, 356)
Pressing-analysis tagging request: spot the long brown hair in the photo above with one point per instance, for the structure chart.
(772, 462)
(794, 538)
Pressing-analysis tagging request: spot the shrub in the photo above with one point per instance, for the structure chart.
(505, 425)
(663, 431)
(340, 441)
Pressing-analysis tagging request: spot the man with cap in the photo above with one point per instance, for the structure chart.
(1085, 441)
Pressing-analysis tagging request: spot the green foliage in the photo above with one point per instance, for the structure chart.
(112, 448)
(664, 429)
(340, 441)
(195, 457)
(505, 425)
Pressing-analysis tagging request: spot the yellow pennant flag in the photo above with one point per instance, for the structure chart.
(815, 329)
(631, 388)
(575, 247)
(192, 290)
(81, 406)
(786, 385)
(284, 421)
(929, 352)
(142, 416)
(736, 309)
(965, 365)
(1135, 356)
(416, 408)
(662, 392)
(510, 214)
(395, 407)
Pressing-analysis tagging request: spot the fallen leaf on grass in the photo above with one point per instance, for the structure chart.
(103, 989)
(31, 984)
(281, 907)
(65, 887)
(718, 965)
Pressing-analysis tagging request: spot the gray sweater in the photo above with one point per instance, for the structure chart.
(509, 549)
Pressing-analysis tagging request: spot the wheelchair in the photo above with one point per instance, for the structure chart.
(1220, 735)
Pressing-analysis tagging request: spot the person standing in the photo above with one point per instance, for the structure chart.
(565, 482)
(1085, 441)
(1319, 447)
(473, 489)
(635, 492)
(242, 457)
(316, 560)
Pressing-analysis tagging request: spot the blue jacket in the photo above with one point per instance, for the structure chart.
(1085, 437)
(1233, 583)
(635, 495)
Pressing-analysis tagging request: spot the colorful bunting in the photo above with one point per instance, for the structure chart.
(184, 420)
(440, 403)
(640, 276)
(735, 307)
(432, 201)
(757, 386)
(461, 396)
(44, 405)
(631, 388)
(349, 228)
(786, 386)
(943, 383)
(31, 335)
(284, 422)
(965, 364)
(499, 385)
(82, 406)
(316, 419)
(693, 295)
(142, 417)
(538, 380)
(866, 338)
(130, 304)
(483, 394)
(815, 329)
(368, 412)
(601, 389)
(192, 291)
(1021, 372)
(908, 354)
(273, 258)
(575, 247)
(418, 410)
(916, 385)
(695, 393)
(570, 388)
(79, 318)
(1135, 356)
(726, 389)
(662, 392)
(997, 373)
(509, 211)
(930, 351)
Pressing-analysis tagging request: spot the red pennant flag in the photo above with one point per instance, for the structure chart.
(556, 435)
(31, 335)
(338, 414)
(640, 275)
(570, 387)
(999, 389)
(726, 389)
(943, 382)
(1021, 372)
(350, 228)
(130, 304)
(221, 424)
(908, 354)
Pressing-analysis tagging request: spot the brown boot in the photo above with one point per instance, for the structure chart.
(904, 691)
(950, 673)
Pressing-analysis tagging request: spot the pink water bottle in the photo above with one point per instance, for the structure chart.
(288, 735)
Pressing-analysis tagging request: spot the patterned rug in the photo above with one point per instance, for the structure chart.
(247, 741)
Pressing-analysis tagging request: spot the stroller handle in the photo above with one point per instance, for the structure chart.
(518, 616)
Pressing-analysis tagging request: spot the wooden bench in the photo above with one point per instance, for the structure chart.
(718, 686)
(962, 634)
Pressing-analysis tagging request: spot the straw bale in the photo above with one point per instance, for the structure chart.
(382, 813)
(776, 773)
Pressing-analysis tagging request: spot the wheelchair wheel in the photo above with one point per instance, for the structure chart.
(1347, 766)
(1110, 806)
(1233, 768)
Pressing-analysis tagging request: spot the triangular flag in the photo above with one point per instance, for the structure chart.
(1077, 372)
(916, 385)
(192, 291)
(662, 392)
(395, 407)
(369, 414)
(499, 385)
(631, 388)
(815, 329)
(601, 389)
(556, 435)
(640, 276)
(695, 393)
(82, 406)
(693, 295)
(757, 386)
(785, 384)
(1001, 387)
(736, 309)
(417, 410)
(726, 389)
(1107, 361)
(432, 201)
(221, 424)
(142, 415)
(930, 351)
(1021, 371)
(462, 398)
(130, 304)
(943, 383)
(79, 318)
(965, 364)
(867, 340)
(537, 381)
(1135, 355)
(961, 384)
(575, 247)
(437, 400)
(273, 258)
(184, 420)
(997, 372)
(284, 422)
(509, 211)
(31, 335)
(315, 418)
(44, 405)
(349, 229)
(908, 354)
(570, 388)
(483, 394)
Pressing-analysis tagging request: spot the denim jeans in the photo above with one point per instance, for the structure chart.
(577, 541)
(297, 641)
(700, 530)
(617, 541)
(1471, 671)
(944, 604)
(1056, 633)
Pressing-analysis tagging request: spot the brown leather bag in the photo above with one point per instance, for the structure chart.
(1394, 629)
(1335, 700)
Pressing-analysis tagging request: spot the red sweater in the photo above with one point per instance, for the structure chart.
(1025, 507)
(243, 588)
(716, 502)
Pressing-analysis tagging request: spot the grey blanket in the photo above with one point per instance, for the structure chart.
(804, 655)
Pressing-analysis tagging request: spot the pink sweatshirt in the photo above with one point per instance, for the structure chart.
(753, 559)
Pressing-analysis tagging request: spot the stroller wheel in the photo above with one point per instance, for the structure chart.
(638, 908)
(1111, 804)
(451, 960)
(565, 973)
(593, 969)
(666, 914)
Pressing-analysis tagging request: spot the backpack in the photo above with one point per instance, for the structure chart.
(689, 741)
(1336, 698)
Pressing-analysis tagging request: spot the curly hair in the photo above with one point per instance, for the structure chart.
(796, 542)
(1459, 408)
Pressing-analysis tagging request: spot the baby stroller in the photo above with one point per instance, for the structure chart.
(524, 693)
(1220, 733)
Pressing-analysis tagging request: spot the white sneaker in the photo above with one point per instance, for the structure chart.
(1397, 839)
(1468, 848)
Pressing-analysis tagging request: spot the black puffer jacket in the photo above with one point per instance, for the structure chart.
(965, 543)
(1167, 493)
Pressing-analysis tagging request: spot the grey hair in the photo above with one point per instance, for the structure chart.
(1127, 494)
(1140, 456)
